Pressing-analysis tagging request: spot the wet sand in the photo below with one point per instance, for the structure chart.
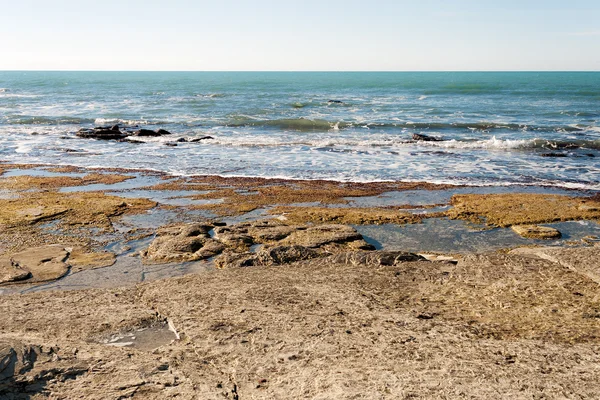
(321, 302)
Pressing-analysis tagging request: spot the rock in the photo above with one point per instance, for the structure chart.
(146, 132)
(162, 132)
(80, 259)
(172, 144)
(335, 102)
(553, 155)
(236, 260)
(536, 231)
(374, 258)
(9, 272)
(286, 243)
(272, 233)
(320, 235)
(285, 255)
(101, 133)
(277, 255)
(424, 138)
(130, 140)
(15, 359)
(115, 128)
(45, 263)
(199, 139)
(186, 242)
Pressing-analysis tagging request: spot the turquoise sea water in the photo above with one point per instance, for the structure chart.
(497, 128)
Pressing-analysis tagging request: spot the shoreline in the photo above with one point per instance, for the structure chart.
(157, 286)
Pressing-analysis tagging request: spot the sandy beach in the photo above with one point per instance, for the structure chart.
(131, 284)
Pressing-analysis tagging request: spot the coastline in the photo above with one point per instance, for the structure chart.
(338, 320)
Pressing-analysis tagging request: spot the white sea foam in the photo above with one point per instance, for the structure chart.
(112, 121)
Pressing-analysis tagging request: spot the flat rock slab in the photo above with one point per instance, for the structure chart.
(536, 232)
(36, 264)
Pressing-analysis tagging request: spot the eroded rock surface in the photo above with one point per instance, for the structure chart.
(281, 243)
(48, 263)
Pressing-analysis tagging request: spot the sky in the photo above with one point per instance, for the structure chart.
(313, 35)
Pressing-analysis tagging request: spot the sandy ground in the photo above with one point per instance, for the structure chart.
(493, 326)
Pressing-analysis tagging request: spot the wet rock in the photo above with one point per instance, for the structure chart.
(335, 102)
(198, 139)
(172, 144)
(559, 155)
(536, 232)
(163, 132)
(146, 132)
(424, 138)
(39, 264)
(101, 133)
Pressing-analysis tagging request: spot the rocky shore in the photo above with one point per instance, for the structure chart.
(293, 301)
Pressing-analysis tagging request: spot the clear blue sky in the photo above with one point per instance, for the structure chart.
(300, 35)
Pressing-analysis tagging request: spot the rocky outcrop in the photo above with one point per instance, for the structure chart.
(116, 133)
(280, 243)
(102, 133)
(185, 242)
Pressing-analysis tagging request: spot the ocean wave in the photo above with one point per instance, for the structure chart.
(210, 95)
(130, 122)
(18, 96)
(355, 143)
(294, 124)
(305, 124)
(46, 120)
(508, 144)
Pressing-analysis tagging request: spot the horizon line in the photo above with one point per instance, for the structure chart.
(292, 71)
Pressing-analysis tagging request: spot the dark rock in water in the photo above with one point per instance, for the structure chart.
(200, 138)
(163, 132)
(335, 102)
(101, 133)
(181, 140)
(115, 128)
(424, 138)
(130, 140)
(553, 155)
(146, 132)
(172, 144)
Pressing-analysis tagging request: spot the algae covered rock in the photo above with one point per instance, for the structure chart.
(282, 243)
(322, 235)
(536, 232)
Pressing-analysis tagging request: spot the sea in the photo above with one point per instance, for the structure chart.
(490, 128)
